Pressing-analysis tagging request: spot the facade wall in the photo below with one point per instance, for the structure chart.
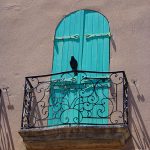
(26, 47)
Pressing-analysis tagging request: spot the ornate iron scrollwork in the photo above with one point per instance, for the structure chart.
(65, 99)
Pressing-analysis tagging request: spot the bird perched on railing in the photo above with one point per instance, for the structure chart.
(74, 65)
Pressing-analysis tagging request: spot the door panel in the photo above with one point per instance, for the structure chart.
(68, 42)
(96, 58)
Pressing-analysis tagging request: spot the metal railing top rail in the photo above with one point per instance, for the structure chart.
(80, 71)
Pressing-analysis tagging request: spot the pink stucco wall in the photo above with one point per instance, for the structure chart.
(26, 46)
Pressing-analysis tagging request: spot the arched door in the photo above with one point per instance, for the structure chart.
(83, 34)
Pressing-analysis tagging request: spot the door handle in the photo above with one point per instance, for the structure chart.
(76, 36)
(98, 35)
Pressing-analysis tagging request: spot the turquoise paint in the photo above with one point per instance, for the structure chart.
(78, 35)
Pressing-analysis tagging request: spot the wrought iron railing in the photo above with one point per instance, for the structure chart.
(88, 99)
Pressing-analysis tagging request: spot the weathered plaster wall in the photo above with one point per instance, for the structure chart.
(26, 46)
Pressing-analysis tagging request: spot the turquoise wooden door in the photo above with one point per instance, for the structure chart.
(83, 34)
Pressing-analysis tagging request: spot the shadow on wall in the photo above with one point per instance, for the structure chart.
(137, 126)
(6, 141)
(113, 43)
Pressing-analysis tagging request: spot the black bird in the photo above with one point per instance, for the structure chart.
(74, 65)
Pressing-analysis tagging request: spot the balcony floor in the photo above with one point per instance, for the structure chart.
(75, 138)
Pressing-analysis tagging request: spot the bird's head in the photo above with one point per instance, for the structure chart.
(72, 57)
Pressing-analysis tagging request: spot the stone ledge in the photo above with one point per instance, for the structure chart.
(80, 137)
